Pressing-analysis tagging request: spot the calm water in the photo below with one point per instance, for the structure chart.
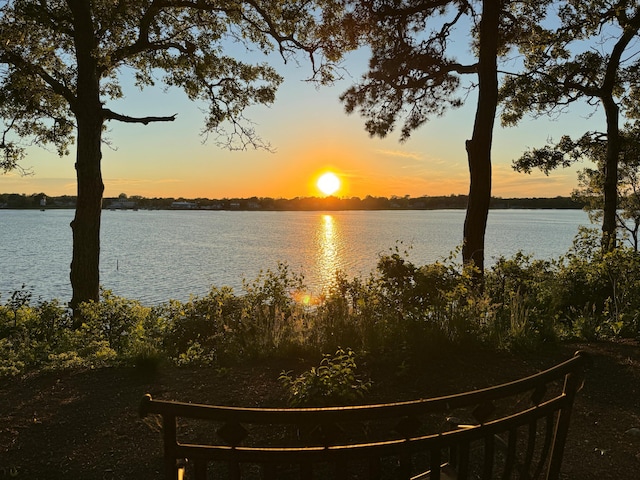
(157, 255)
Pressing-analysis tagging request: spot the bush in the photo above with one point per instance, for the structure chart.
(196, 356)
(333, 382)
(602, 294)
(115, 320)
(522, 294)
(147, 357)
(30, 334)
(206, 321)
(403, 310)
(273, 319)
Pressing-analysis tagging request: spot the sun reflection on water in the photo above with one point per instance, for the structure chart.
(328, 257)
(327, 260)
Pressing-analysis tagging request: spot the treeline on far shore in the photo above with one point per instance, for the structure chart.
(124, 202)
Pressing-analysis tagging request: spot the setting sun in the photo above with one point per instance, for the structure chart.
(328, 183)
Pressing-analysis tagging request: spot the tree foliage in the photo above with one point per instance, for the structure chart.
(562, 65)
(411, 76)
(592, 147)
(62, 61)
(414, 75)
(591, 181)
(192, 45)
(562, 154)
(590, 56)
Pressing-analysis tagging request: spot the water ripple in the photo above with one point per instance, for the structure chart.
(153, 256)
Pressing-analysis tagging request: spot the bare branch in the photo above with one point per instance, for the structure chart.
(111, 115)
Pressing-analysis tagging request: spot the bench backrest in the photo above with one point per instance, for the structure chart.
(513, 430)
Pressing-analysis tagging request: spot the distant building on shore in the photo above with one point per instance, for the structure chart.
(123, 205)
(180, 205)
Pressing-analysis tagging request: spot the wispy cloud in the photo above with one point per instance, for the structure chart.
(507, 182)
(399, 153)
(142, 181)
(12, 183)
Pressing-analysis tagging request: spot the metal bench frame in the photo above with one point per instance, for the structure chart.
(525, 442)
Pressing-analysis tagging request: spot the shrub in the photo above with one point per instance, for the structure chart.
(523, 295)
(146, 357)
(602, 293)
(10, 363)
(272, 320)
(29, 334)
(196, 356)
(209, 321)
(114, 319)
(333, 382)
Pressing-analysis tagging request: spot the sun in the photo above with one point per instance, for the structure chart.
(328, 183)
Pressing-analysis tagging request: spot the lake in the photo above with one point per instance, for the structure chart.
(154, 256)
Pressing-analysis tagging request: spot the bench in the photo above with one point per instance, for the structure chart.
(513, 430)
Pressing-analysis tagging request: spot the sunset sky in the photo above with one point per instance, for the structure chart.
(311, 134)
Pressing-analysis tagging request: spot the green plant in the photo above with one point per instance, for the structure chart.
(271, 316)
(196, 356)
(146, 357)
(11, 363)
(114, 318)
(333, 382)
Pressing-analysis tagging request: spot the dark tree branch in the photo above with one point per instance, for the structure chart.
(461, 69)
(282, 40)
(111, 115)
(143, 44)
(9, 58)
(419, 8)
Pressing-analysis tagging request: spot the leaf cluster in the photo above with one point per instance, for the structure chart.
(333, 382)
(564, 153)
(411, 73)
(583, 54)
(205, 48)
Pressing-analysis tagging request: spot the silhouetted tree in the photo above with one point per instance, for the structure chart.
(591, 182)
(61, 62)
(561, 67)
(412, 77)
(593, 147)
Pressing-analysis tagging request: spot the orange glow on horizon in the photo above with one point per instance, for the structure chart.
(361, 173)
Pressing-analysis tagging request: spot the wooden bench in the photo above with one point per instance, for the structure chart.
(513, 430)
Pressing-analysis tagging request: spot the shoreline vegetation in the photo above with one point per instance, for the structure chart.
(393, 315)
(124, 202)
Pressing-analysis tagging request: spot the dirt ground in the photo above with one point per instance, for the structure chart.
(84, 424)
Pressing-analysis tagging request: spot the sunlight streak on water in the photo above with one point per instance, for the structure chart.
(328, 258)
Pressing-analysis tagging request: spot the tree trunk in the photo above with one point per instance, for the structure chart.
(85, 275)
(610, 188)
(479, 147)
(614, 143)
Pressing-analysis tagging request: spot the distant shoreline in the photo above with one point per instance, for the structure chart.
(451, 202)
